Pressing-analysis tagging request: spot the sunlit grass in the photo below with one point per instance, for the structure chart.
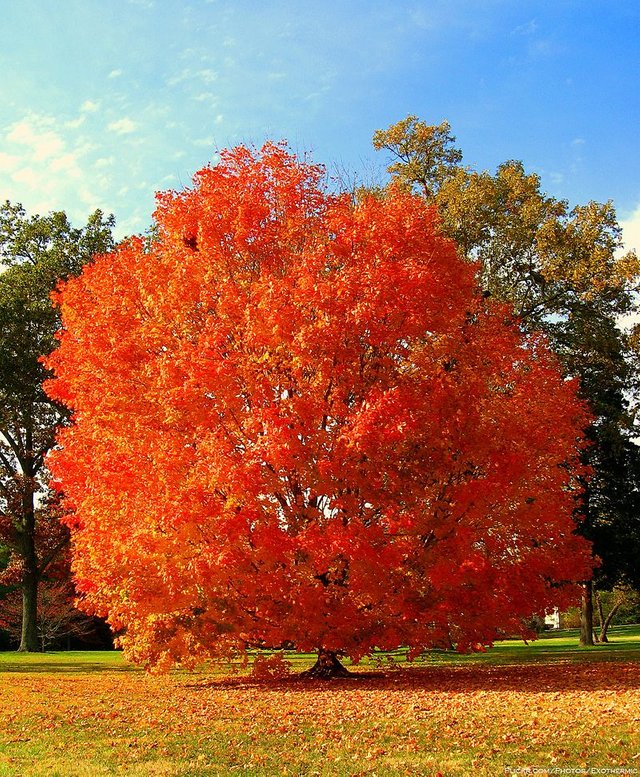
(553, 646)
(64, 661)
(551, 704)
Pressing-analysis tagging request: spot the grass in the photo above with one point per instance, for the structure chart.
(624, 645)
(550, 705)
(84, 661)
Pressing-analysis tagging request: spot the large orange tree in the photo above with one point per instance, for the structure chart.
(297, 421)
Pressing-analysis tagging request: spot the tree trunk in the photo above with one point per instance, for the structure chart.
(29, 636)
(26, 531)
(598, 599)
(586, 615)
(327, 667)
(604, 624)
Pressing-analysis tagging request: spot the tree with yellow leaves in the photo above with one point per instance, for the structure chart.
(562, 270)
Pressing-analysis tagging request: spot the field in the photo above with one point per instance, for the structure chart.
(550, 706)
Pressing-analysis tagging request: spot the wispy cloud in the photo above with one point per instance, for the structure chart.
(324, 76)
(541, 49)
(124, 126)
(631, 231)
(206, 97)
(35, 133)
(67, 164)
(630, 242)
(89, 106)
(529, 28)
(205, 75)
(45, 165)
(8, 162)
(75, 123)
(204, 142)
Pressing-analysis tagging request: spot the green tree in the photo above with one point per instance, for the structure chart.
(561, 270)
(37, 252)
(619, 605)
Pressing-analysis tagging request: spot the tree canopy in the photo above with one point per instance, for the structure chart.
(563, 271)
(37, 252)
(298, 421)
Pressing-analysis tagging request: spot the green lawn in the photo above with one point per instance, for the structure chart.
(552, 646)
(64, 661)
(548, 705)
(623, 645)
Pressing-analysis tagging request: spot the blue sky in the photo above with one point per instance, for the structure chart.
(104, 102)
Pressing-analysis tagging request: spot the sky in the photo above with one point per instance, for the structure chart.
(105, 102)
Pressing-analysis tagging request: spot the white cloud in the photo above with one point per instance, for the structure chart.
(67, 164)
(75, 123)
(122, 126)
(206, 97)
(115, 74)
(8, 162)
(631, 241)
(183, 75)
(43, 166)
(631, 231)
(206, 75)
(204, 142)
(89, 106)
(132, 225)
(27, 177)
(33, 132)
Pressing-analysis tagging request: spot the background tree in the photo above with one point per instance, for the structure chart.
(37, 252)
(298, 421)
(58, 620)
(619, 605)
(561, 270)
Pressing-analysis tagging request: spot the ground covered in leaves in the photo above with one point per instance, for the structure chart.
(71, 718)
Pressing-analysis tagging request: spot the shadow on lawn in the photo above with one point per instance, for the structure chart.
(63, 667)
(536, 678)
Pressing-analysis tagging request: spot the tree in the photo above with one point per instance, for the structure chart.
(59, 620)
(622, 600)
(561, 271)
(424, 156)
(37, 251)
(297, 421)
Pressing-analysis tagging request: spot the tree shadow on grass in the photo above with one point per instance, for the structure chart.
(63, 667)
(536, 678)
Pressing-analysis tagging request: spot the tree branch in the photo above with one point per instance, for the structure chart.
(46, 561)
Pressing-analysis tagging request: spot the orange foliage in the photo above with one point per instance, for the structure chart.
(297, 421)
